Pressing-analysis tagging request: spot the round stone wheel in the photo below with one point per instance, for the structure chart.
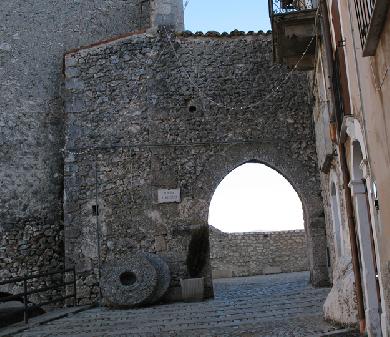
(163, 277)
(128, 281)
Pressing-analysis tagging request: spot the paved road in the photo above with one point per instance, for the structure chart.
(281, 305)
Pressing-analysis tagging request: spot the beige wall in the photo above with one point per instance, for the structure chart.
(368, 84)
(369, 87)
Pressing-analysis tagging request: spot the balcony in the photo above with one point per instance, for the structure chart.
(293, 27)
(371, 16)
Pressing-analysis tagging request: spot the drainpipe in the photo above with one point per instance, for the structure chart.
(346, 179)
(353, 239)
(327, 42)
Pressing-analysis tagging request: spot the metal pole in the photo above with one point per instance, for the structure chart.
(97, 228)
(25, 314)
(74, 287)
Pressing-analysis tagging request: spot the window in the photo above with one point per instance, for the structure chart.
(364, 10)
(371, 16)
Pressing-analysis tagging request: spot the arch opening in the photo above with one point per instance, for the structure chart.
(257, 225)
(255, 198)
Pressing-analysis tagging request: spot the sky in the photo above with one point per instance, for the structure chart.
(254, 197)
(227, 15)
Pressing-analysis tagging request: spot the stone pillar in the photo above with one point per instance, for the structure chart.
(317, 251)
(167, 13)
(358, 190)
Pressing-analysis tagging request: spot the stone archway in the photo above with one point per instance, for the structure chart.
(256, 225)
(297, 172)
(278, 157)
(164, 130)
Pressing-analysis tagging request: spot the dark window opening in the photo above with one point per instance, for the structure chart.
(328, 256)
(95, 210)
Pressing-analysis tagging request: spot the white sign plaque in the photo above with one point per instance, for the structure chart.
(167, 196)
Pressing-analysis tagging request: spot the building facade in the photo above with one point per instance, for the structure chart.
(351, 85)
(142, 118)
(109, 125)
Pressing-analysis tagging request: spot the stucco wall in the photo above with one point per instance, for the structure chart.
(139, 111)
(247, 254)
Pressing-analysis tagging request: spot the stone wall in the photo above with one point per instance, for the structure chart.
(31, 248)
(247, 254)
(34, 35)
(149, 112)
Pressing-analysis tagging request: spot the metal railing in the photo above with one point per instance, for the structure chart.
(289, 6)
(364, 10)
(27, 292)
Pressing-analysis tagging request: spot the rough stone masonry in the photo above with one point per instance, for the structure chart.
(148, 112)
(257, 253)
(34, 35)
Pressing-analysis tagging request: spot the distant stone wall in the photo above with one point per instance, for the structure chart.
(246, 254)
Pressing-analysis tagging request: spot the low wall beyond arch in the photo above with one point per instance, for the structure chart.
(257, 253)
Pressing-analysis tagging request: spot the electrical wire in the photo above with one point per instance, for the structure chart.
(202, 94)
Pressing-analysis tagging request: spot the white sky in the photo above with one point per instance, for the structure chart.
(227, 15)
(254, 197)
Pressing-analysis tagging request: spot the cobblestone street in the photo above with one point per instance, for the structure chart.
(277, 305)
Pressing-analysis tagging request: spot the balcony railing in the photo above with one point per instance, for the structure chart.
(289, 6)
(293, 32)
(364, 11)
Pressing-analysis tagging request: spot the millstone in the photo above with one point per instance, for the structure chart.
(128, 281)
(163, 276)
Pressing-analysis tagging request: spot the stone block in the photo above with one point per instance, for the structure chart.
(223, 273)
(192, 290)
(160, 244)
(128, 281)
(163, 277)
(272, 270)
